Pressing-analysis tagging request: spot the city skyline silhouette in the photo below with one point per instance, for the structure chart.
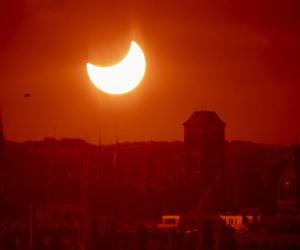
(239, 59)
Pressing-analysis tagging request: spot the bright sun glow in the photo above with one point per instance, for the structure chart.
(121, 77)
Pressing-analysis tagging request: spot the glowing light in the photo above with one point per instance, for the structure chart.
(122, 77)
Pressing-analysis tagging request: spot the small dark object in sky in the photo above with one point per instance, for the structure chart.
(26, 95)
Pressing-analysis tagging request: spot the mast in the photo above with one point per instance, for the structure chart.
(99, 156)
(115, 162)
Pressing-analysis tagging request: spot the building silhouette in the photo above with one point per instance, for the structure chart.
(204, 149)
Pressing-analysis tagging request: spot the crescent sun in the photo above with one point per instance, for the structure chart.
(121, 77)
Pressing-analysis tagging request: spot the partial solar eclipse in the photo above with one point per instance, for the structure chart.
(121, 77)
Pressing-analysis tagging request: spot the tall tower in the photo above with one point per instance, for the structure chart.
(204, 142)
(287, 199)
(296, 164)
(288, 189)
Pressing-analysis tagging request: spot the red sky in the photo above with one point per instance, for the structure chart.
(239, 58)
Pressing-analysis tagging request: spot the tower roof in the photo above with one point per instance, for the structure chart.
(200, 118)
